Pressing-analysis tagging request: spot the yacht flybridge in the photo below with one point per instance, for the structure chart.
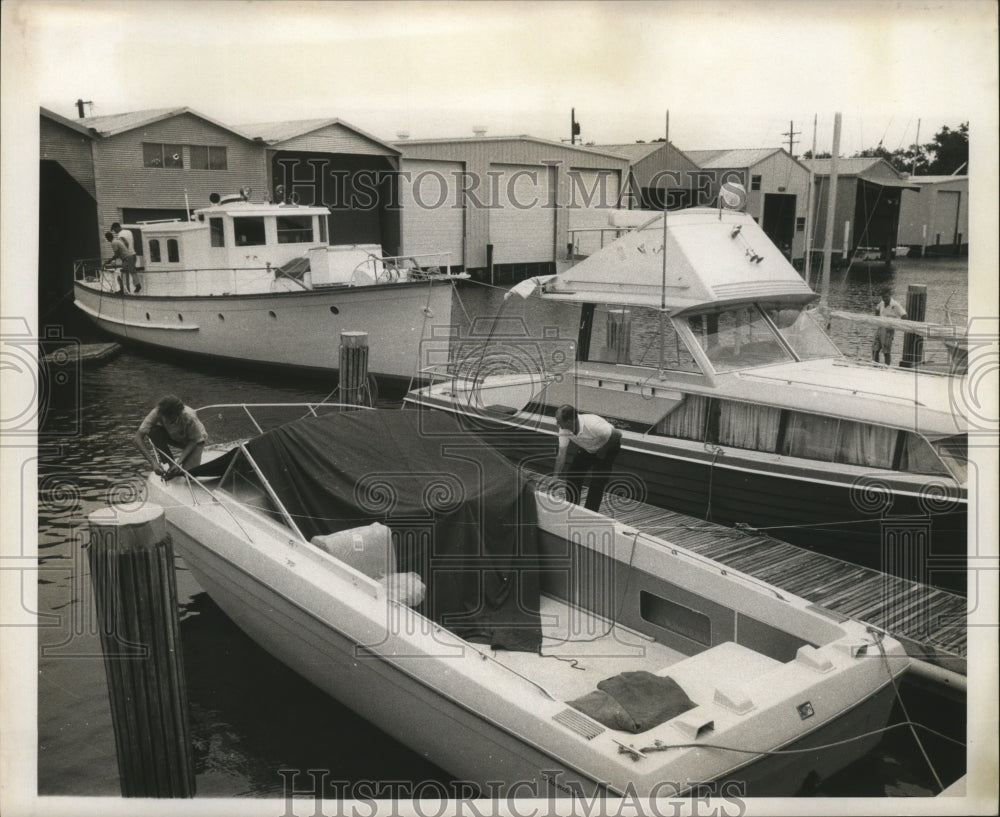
(733, 402)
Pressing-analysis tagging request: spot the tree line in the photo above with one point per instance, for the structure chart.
(946, 154)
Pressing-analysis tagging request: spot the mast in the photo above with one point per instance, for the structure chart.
(663, 276)
(809, 207)
(831, 204)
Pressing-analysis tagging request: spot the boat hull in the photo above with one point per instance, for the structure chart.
(281, 329)
(886, 525)
(480, 752)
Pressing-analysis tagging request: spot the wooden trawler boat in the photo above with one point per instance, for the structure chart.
(521, 643)
(259, 283)
(733, 402)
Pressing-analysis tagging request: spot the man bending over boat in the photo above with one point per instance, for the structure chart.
(121, 250)
(588, 445)
(171, 424)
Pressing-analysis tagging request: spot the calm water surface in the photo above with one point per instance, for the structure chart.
(250, 715)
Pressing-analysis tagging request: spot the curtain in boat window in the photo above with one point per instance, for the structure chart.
(811, 436)
(864, 444)
(687, 421)
(743, 425)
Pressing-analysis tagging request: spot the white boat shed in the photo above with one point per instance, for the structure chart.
(934, 220)
(503, 205)
(777, 187)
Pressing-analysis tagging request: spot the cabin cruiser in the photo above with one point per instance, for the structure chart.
(733, 402)
(258, 282)
(524, 644)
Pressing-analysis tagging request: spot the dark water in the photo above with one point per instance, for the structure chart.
(250, 715)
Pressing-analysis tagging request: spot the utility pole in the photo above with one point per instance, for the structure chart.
(574, 126)
(916, 152)
(79, 106)
(791, 134)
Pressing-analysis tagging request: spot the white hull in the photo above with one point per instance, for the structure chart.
(464, 708)
(299, 329)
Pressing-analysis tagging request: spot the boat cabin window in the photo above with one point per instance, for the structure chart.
(323, 230)
(173, 251)
(215, 230)
(755, 427)
(295, 229)
(738, 338)
(249, 231)
(940, 457)
(802, 331)
(637, 336)
(154, 250)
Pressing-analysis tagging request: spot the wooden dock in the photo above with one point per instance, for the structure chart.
(83, 353)
(931, 623)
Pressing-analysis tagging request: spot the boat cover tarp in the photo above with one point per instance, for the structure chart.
(461, 517)
(634, 701)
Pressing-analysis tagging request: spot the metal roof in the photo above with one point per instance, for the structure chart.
(69, 123)
(634, 151)
(113, 124)
(276, 132)
(736, 157)
(853, 166)
(402, 143)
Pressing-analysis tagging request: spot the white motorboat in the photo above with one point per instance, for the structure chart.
(259, 283)
(525, 645)
(733, 402)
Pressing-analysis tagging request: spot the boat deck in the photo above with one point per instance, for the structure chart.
(930, 622)
(579, 650)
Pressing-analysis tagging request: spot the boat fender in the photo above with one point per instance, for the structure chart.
(405, 588)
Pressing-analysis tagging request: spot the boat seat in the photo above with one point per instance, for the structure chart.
(720, 675)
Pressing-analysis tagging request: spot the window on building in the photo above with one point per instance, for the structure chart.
(173, 251)
(216, 232)
(800, 224)
(208, 157)
(294, 229)
(157, 154)
(755, 182)
(154, 250)
(249, 231)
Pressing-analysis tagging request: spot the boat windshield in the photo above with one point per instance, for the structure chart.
(740, 337)
(954, 451)
(803, 331)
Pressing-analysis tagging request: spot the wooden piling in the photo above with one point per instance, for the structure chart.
(354, 368)
(135, 591)
(916, 308)
(619, 334)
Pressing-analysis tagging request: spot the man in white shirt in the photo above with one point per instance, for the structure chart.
(588, 445)
(888, 307)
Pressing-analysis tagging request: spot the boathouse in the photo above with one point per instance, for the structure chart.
(660, 176)
(777, 187)
(328, 161)
(934, 219)
(504, 206)
(866, 214)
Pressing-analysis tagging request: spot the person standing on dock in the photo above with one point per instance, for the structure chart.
(588, 445)
(171, 423)
(888, 307)
(124, 253)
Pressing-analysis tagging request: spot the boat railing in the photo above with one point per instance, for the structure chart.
(234, 422)
(387, 268)
(575, 236)
(87, 269)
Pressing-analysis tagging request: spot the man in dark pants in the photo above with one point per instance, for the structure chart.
(588, 445)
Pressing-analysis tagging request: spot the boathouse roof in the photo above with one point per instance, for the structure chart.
(732, 157)
(273, 133)
(113, 124)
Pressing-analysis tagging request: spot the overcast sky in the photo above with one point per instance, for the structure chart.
(731, 74)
